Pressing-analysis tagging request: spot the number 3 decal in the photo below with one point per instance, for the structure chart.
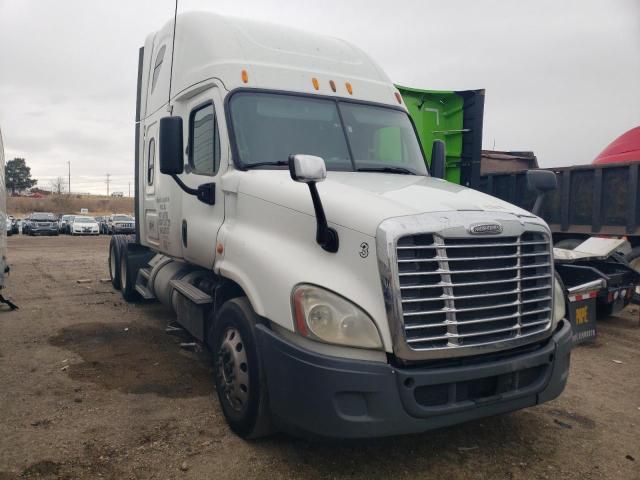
(364, 249)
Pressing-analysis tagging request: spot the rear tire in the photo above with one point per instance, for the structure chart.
(114, 262)
(239, 377)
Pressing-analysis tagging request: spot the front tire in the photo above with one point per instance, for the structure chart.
(114, 263)
(239, 377)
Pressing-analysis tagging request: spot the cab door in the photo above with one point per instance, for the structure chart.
(207, 151)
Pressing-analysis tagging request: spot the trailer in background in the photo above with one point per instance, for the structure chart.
(456, 119)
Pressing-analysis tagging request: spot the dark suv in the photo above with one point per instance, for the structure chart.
(41, 223)
(119, 223)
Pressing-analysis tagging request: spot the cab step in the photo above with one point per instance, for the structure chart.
(193, 307)
(191, 292)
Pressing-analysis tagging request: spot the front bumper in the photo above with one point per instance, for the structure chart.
(124, 230)
(310, 393)
(44, 230)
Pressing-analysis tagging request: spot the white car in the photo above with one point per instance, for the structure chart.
(84, 226)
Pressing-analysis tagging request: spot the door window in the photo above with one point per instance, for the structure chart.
(204, 141)
(151, 160)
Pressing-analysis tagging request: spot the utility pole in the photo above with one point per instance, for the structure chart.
(108, 180)
(69, 165)
(129, 188)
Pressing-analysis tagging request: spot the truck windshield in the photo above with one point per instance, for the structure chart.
(268, 127)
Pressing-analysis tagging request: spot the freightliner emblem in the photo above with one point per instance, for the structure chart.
(485, 229)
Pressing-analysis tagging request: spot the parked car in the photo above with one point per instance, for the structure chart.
(9, 227)
(64, 222)
(15, 225)
(41, 223)
(83, 225)
(102, 222)
(120, 223)
(104, 225)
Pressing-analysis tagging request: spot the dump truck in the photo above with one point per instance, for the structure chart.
(285, 213)
(594, 211)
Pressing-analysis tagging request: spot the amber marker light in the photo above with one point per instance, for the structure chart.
(349, 88)
(332, 84)
(245, 76)
(301, 324)
(399, 98)
(219, 248)
(316, 85)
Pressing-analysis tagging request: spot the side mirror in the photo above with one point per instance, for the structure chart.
(541, 181)
(307, 168)
(310, 169)
(438, 159)
(171, 146)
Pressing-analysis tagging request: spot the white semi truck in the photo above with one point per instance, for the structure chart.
(285, 213)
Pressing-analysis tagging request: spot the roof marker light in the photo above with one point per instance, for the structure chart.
(332, 84)
(245, 76)
(316, 85)
(399, 98)
(349, 88)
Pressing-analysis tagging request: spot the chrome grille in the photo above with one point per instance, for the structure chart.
(461, 292)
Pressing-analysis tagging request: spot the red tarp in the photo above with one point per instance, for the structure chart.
(625, 148)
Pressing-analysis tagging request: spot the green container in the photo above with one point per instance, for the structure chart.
(456, 119)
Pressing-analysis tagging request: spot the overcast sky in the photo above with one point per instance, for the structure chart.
(562, 78)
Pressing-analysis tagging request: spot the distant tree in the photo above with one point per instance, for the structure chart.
(57, 185)
(18, 175)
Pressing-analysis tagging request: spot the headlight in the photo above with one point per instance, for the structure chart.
(559, 307)
(325, 316)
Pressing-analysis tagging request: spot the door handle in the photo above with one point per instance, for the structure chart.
(184, 233)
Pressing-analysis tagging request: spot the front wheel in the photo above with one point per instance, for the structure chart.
(114, 263)
(239, 376)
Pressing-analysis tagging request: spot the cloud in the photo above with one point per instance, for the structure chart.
(561, 77)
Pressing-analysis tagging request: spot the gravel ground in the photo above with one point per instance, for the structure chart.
(92, 387)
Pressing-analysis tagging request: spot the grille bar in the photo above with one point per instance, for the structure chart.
(472, 284)
(479, 270)
(474, 334)
(465, 297)
(489, 307)
(481, 245)
(472, 322)
(466, 259)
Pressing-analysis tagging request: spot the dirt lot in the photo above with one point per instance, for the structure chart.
(93, 387)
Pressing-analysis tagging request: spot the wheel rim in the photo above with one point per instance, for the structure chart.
(233, 370)
(112, 262)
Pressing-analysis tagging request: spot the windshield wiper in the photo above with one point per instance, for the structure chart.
(279, 163)
(387, 170)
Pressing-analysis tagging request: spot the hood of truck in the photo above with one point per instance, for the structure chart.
(362, 200)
